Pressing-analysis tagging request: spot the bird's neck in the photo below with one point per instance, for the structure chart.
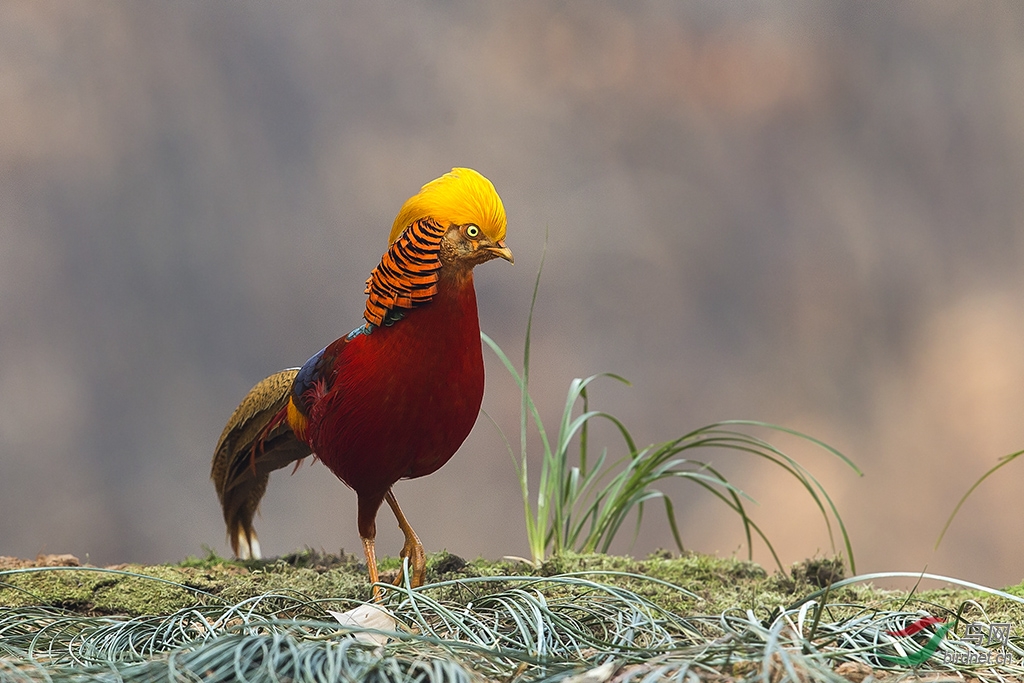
(454, 303)
(450, 312)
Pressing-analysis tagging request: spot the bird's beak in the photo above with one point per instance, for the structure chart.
(499, 249)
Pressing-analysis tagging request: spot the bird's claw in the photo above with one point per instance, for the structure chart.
(417, 564)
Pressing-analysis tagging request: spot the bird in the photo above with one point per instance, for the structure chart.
(394, 398)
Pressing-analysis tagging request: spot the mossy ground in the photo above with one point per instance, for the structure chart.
(716, 584)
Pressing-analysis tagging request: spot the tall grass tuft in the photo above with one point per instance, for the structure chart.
(581, 504)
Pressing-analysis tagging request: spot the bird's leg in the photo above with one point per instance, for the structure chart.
(371, 564)
(412, 549)
(367, 515)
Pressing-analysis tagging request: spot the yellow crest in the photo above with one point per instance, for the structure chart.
(457, 198)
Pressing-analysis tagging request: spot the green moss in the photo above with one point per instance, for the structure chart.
(710, 585)
(125, 590)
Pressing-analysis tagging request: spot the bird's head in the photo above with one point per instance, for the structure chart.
(466, 205)
(451, 225)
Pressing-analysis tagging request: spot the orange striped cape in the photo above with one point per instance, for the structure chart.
(407, 274)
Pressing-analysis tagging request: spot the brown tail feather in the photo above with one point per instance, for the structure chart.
(255, 442)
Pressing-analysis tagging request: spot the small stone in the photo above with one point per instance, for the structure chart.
(371, 617)
(599, 674)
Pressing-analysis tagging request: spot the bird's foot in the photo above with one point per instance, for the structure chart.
(417, 557)
(413, 549)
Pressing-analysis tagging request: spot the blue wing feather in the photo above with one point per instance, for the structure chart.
(310, 372)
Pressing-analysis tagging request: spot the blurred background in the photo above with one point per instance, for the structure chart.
(804, 213)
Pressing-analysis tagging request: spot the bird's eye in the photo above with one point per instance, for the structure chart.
(472, 231)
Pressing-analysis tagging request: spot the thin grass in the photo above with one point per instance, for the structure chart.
(532, 629)
(1003, 461)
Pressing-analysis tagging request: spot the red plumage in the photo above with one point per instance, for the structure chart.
(395, 398)
(399, 402)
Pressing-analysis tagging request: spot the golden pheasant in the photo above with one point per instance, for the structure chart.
(396, 397)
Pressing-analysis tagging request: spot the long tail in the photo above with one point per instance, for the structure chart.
(255, 442)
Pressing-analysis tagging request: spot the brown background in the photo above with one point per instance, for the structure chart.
(806, 213)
